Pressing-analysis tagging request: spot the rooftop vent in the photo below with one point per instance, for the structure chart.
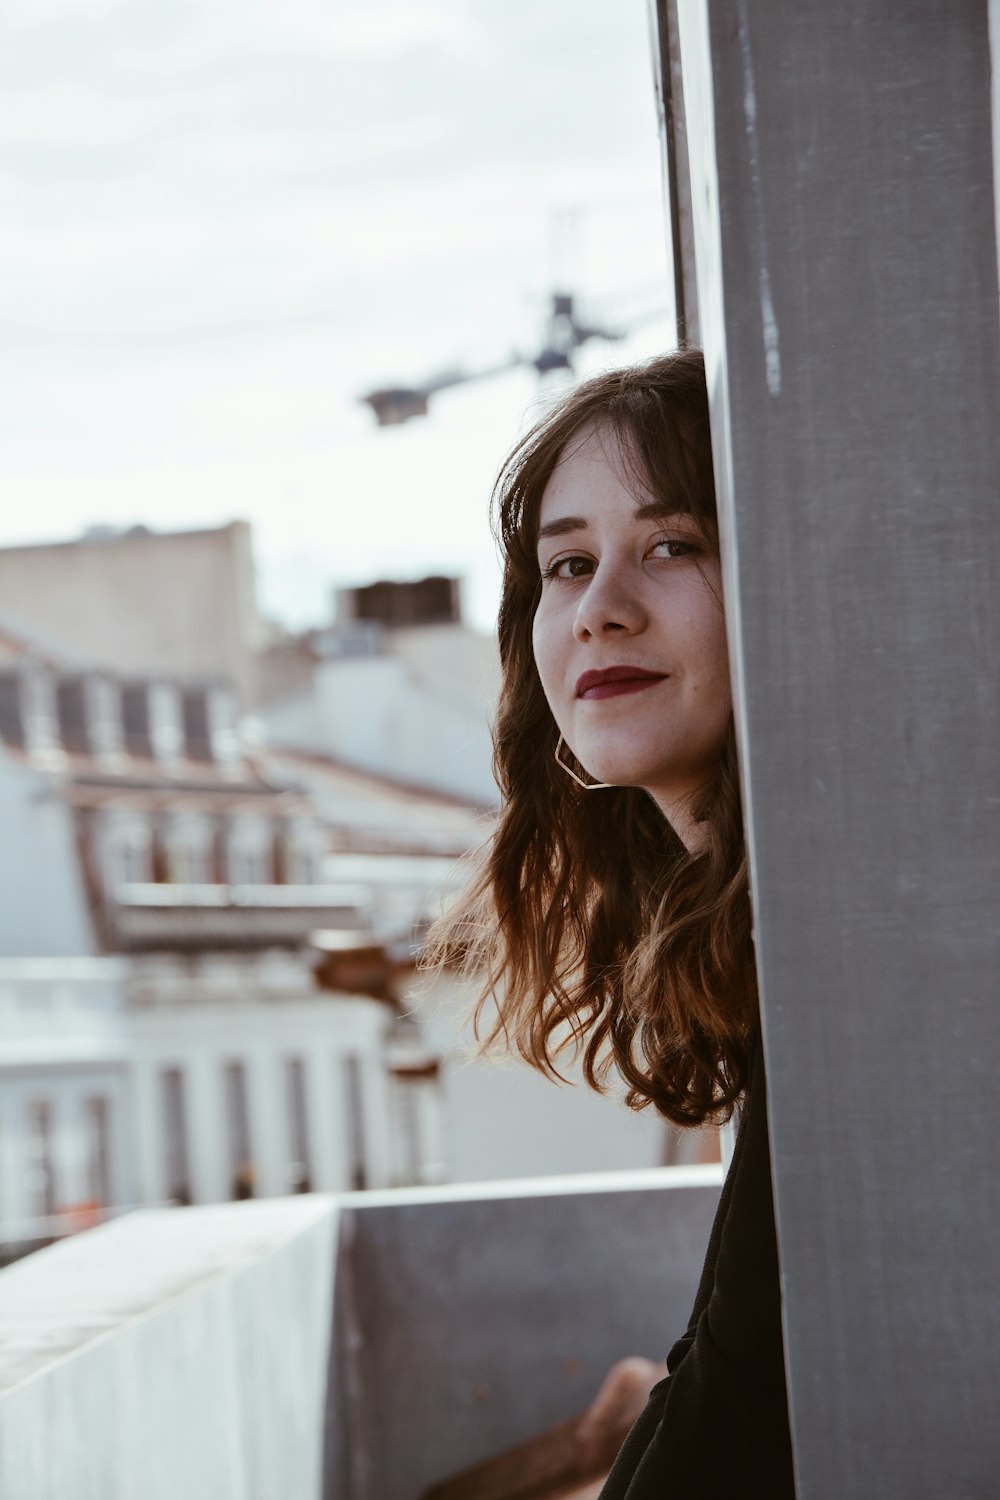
(422, 601)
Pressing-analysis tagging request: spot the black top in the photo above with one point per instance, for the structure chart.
(717, 1426)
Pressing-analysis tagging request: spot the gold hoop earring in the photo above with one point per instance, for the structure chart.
(588, 786)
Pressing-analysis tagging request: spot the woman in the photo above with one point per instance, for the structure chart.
(613, 913)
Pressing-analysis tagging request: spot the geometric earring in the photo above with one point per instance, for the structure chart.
(588, 786)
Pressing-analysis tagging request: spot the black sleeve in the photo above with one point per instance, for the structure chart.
(717, 1426)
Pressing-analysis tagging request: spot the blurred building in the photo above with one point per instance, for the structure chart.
(224, 910)
(66, 1105)
(193, 1002)
(177, 603)
(398, 685)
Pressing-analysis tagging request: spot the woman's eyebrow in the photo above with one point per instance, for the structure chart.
(561, 525)
(654, 510)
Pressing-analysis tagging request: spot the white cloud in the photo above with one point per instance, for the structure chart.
(20, 14)
(226, 219)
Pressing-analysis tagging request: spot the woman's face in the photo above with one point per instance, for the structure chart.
(629, 634)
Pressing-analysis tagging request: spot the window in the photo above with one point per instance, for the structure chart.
(166, 727)
(71, 695)
(135, 717)
(104, 715)
(188, 842)
(178, 1176)
(223, 727)
(298, 1126)
(90, 715)
(38, 710)
(11, 718)
(128, 852)
(210, 727)
(355, 1120)
(249, 865)
(251, 853)
(238, 1129)
(300, 845)
(98, 1146)
(188, 863)
(40, 1169)
(303, 867)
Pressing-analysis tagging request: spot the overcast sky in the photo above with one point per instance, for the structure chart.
(223, 220)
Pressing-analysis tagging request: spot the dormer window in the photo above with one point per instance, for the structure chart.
(104, 717)
(11, 726)
(39, 719)
(71, 700)
(166, 725)
(90, 716)
(210, 727)
(152, 718)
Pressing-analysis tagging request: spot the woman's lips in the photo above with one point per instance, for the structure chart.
(612, 682)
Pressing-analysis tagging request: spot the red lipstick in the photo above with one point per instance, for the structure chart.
(612, 682)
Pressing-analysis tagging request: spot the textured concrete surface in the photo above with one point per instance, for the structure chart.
(175, 1353)
(186, 1354)
(469, 1321)
(843, 195)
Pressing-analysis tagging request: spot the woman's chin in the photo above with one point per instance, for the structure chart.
(613, 770)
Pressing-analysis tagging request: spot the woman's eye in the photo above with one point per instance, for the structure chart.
(674, 546)
(568, 567)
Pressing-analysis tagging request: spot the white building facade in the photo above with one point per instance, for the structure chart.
(66, 1095)
(165, 1035)
(399, 687)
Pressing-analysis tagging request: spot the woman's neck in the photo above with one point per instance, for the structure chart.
(678, 809)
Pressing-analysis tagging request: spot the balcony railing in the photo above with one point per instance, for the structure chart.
(147, 916)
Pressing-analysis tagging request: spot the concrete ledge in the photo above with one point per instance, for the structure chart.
(360, 1347)
(174, 1353)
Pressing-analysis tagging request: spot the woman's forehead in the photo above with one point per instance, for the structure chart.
(596, 461)
(598, 474)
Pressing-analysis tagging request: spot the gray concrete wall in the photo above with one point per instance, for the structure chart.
(470, 1319)
(188, 1352)
(844, 213)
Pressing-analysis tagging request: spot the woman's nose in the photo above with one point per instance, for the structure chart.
(611, 603)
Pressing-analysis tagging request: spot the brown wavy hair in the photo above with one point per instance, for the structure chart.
(589, 925)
